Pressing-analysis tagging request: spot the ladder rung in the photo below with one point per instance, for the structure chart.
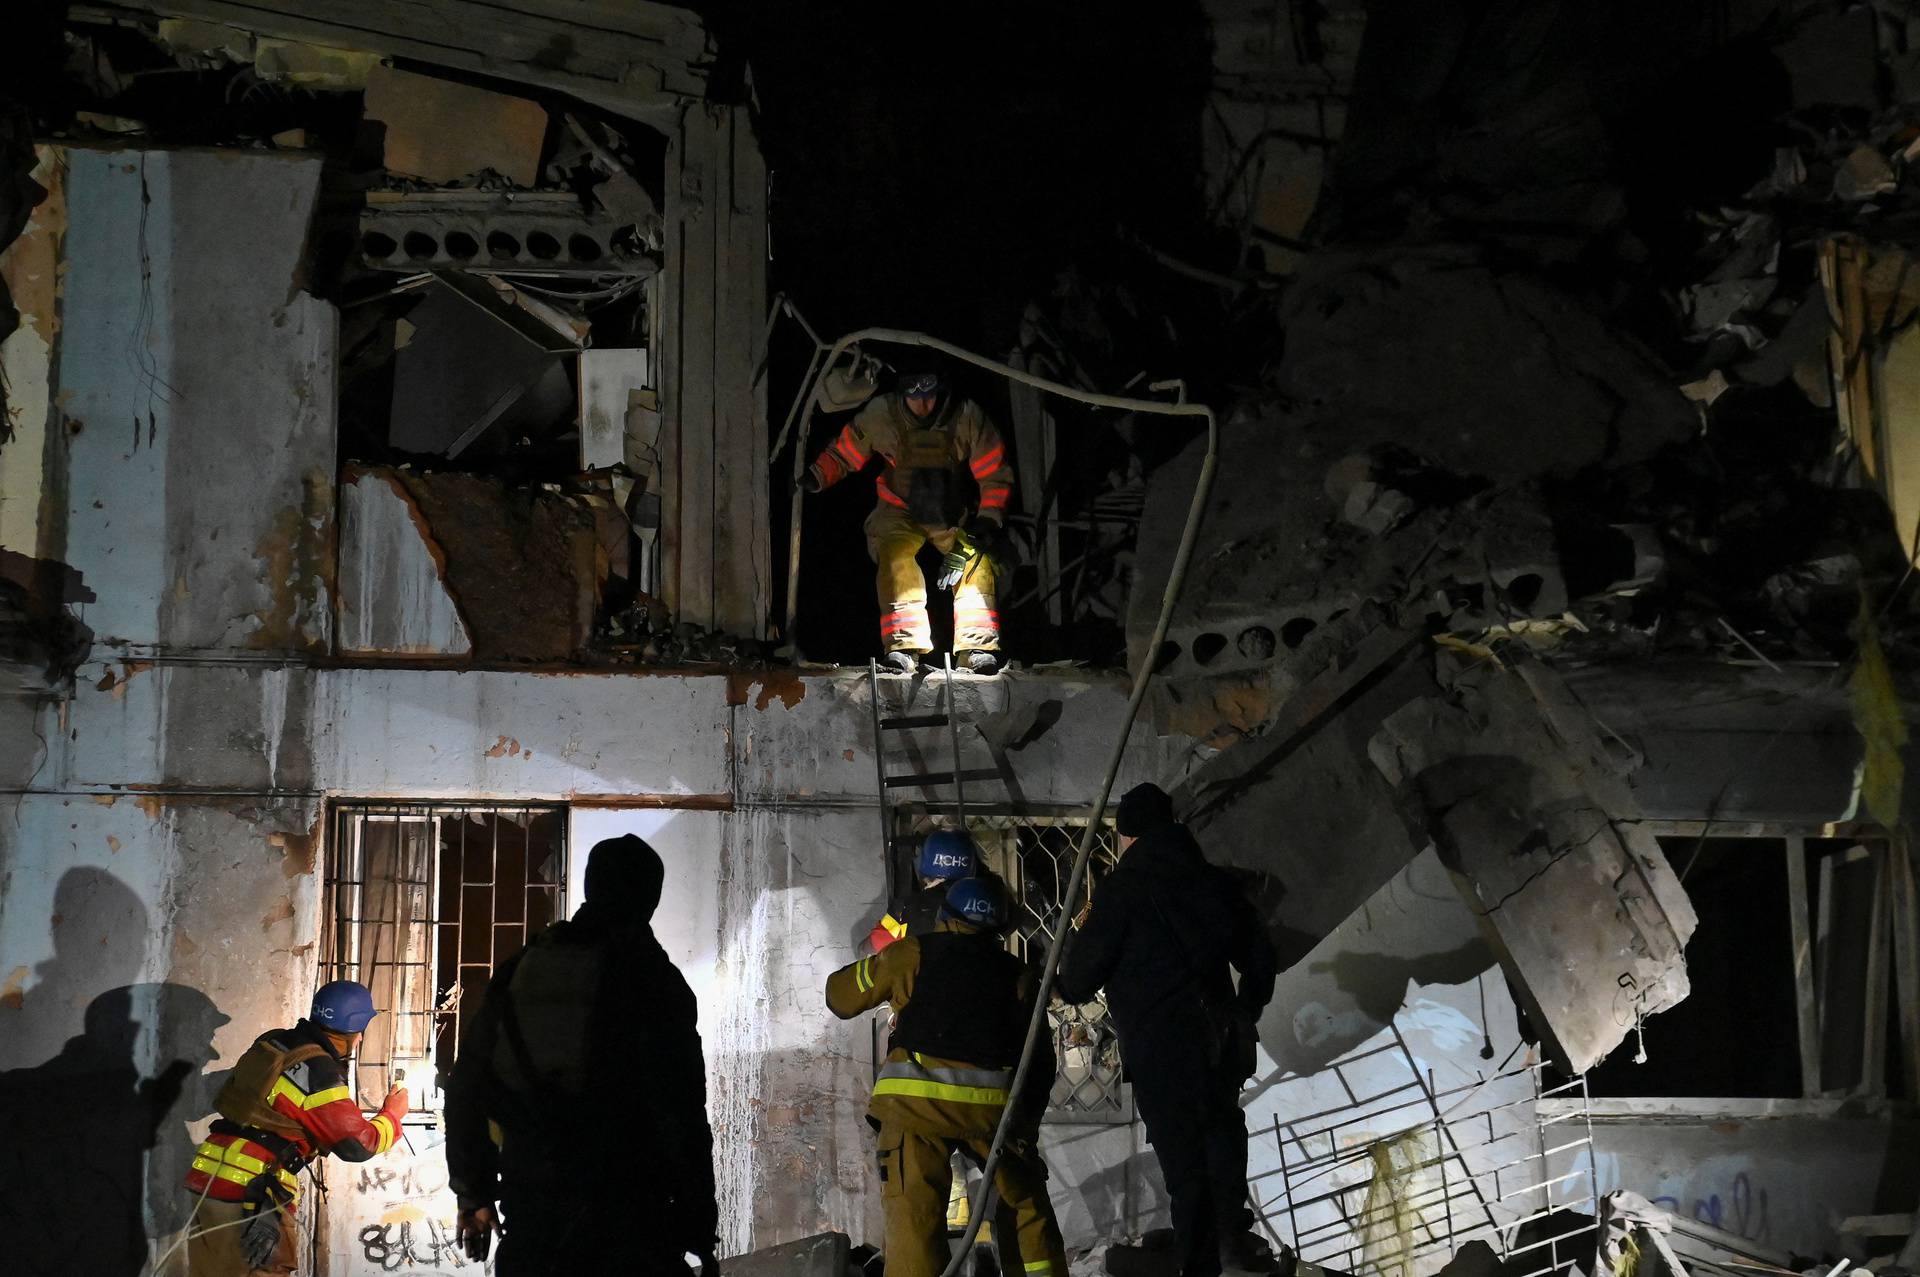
(913, 720)
(928, 779)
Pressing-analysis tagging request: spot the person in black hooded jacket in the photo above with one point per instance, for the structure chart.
(577, 1106)
(1160, 937)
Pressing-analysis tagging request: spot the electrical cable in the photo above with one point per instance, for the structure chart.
(1176, 578)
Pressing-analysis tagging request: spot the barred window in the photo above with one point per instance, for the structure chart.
(422, 900)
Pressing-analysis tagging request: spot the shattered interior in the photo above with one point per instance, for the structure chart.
(400, 412)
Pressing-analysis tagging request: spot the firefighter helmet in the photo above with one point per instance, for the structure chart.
(980, 901)
(344, 1006)
(947, 854)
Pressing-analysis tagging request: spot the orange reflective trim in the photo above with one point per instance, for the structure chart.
(995, 499)
(984, 466)
(888, 495)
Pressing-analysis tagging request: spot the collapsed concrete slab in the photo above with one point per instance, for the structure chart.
(1507, 775)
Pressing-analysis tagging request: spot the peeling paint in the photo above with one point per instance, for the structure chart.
(784, 685)
(282, 911)
(293, 555)
(13, 995)
(113, 844)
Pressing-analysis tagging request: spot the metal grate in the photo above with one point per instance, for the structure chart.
(1401, 1175)
(1034, 856)
(422, 900)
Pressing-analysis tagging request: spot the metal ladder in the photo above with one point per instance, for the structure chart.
(947, 716)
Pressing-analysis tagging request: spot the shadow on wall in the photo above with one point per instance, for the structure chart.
(94, 1142)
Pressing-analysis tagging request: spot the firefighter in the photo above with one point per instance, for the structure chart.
(285, 1103)
(933, 443)
(944, 856)
(1160, 937)
(962, 1003)
(591, 1014)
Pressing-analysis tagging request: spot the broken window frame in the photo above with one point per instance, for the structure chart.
(1891, 965)
(1089, 1088)
(346, 930)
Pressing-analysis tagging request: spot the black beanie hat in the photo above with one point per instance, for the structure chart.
(1143, 809)
(624, 877)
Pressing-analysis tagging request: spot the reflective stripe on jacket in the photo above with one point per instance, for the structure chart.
(924, 1092)
(312, 1095)
(886, 428)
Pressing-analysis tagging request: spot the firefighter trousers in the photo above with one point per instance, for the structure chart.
(916, 1174)
(214, 1246)
(894, 539)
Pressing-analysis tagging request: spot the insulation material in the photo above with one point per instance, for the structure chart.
(1873, 350)
(441, 131)
(1882, 726)
(393, 590)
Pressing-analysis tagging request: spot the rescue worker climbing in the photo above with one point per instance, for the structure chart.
(945, 855)
(285, 1104)
(962, 1004)
(591, 1013)
(933, 443)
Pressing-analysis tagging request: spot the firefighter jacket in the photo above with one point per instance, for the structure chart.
(591, 1013)
(928, 461)
(273, 1121)
(962, 1004)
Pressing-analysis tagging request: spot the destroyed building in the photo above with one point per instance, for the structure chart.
(402, 408)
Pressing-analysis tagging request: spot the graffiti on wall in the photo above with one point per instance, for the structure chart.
(1743, 1209)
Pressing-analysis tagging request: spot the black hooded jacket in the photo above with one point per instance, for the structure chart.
(1163, 929)
(641, 1083)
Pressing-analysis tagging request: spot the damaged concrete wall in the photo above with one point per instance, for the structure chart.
(184, 330)
(183, 800)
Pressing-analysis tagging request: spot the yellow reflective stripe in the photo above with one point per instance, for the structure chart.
(327, 1096)
(939, 1090)
(862, 974)
(894, 926)
(283, 1087)
(1040, 1266)
(236, 1174)
(384, 1124)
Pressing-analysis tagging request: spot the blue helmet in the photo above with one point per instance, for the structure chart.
(946, 854)
(344, 1006)
(979, 901)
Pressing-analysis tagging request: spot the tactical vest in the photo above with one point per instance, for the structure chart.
(930, 478)
(966, 1002)
(545, 1049)
(247, 1097)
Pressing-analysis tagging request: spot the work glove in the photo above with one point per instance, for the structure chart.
(809, 481)
(988, 537)
(474, 1230)
(954, 566)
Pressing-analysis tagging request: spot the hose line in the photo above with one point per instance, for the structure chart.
(1142, 677)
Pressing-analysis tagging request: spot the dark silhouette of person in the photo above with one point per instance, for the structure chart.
(585, 1056)
(80, 1133)
(1163, 935)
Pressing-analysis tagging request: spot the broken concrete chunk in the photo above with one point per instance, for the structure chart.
(441, 131)
(1375, 509)
(822, 1255)
(1864, 174)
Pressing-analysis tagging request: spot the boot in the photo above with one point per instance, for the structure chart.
(978, 662)
(897, 663)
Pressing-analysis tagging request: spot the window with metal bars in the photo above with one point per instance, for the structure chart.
(422, 900)
(1033, 855)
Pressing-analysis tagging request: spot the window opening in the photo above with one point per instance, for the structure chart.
(422, 901)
